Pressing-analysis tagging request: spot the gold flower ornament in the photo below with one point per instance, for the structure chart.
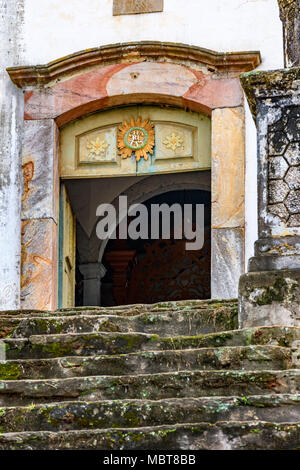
(173, 141)
(96, 147)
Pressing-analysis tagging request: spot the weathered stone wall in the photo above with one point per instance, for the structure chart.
(40, 215)
(11, 117)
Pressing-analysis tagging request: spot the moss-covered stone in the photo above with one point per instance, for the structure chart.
(117, 384)
(10, 371)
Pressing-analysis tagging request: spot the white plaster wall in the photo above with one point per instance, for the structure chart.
(55, 28)
(11, 127)
(251, 223)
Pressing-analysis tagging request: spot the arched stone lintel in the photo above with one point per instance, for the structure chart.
(135, 83)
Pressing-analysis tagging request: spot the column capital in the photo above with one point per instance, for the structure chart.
(288, 7)
(92, 275)
(261, 85)
(92, 271)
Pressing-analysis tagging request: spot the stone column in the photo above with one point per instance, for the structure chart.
(290, 17)
(270, 291)
(92, 274)
(120, 262)
(11, 112)
(40, 215)
(228, 187)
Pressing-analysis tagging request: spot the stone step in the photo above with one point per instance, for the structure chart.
(239, 435)
(76, 344)
(160, 386)
(228, 357)
(8, 326)
(126, 310)
(145, 413)
(169, 323)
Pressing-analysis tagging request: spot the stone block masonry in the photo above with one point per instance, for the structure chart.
(39, 215)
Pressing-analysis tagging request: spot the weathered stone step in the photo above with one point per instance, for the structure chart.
(75, 344)
(144, 413)
(155, 386)
(8, 326)
(240, 435)
(169, 323)
(228, 357)
(127, 310)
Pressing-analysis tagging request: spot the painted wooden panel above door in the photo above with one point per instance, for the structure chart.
(135, 141)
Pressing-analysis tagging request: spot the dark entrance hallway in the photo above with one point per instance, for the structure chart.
(150, 271)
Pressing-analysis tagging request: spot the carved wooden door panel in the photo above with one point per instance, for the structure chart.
(67, 248)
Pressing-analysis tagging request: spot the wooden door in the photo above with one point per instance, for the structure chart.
(67, 251)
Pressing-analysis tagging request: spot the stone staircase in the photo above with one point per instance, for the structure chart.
(175, 375)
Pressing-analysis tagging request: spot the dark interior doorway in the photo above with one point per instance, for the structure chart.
(151, 271)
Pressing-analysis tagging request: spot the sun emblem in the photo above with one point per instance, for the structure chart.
(173, 141)
(96, 147)
(136, 137)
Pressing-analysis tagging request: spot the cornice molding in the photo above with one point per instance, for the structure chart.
(222, 62)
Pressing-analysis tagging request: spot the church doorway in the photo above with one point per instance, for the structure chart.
(151, 155)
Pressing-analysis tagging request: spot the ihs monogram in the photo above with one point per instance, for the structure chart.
(136, 137)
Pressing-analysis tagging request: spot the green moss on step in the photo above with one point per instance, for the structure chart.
(10, 371)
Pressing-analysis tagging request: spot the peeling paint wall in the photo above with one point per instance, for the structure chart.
(11, 123)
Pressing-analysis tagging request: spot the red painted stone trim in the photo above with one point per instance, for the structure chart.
(115, 85)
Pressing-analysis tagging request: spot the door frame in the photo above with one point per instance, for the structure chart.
(188, 77)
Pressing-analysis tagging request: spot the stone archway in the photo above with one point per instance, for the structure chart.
(155, 73)
(147, 189)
